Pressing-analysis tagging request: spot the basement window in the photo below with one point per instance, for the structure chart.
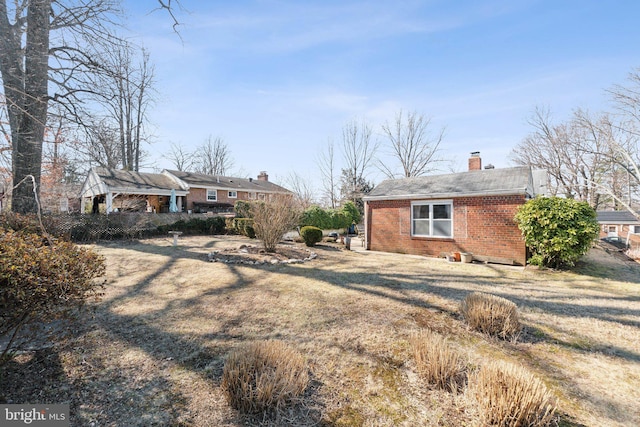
(432, 219)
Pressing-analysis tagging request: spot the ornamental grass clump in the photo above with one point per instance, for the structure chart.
(510, 396)
(491, 315)
(436, 362)
(264, 376)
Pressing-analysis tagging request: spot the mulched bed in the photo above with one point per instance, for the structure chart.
(251, 254)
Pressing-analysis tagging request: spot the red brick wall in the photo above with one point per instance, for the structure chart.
(483, 226)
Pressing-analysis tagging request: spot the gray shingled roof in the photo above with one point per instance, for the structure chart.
(136, 180)
(224, 182)
(516, 180)
(616, 217)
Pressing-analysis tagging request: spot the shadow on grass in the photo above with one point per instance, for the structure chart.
(103, 393)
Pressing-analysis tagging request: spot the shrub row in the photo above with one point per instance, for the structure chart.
(210, 225)
(242, 226)
(86, 228)
(331, 219)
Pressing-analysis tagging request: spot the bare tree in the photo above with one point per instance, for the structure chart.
(98, 143)
(273, 218)
(181, 159)
(571, 153)
(124, 81)
(213, 157)
(359, 151)
(43, 58)
(411, 144)
(304, 194)
(327, 164)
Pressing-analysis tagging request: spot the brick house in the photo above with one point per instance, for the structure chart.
(151, 192)
(129, 191)
(619, 225)
(209, 193)
(468, 212)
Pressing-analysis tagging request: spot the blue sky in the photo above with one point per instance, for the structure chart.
(278, 79)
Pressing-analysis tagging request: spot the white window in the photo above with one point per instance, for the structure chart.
(212, 195)
(233, 194)
(261, 196)
(252, 196)
(432, 219)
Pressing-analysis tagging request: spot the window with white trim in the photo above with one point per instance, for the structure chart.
(432, 219)
(636, 229)
(233, 194)
(212, 195)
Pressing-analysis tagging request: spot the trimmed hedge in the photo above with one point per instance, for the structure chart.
(311, 235)
(331, 219)
(212, 225)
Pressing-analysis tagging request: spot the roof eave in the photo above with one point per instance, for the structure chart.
(514, 192)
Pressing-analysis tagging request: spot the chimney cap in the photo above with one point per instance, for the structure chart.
(475, 153)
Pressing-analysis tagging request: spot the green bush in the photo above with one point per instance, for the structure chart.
(243, 209)
(42, 279)
(244, 226)
(557, 231)
(326, 219)
(351, 211)
(211, 225)
(311, 235)
(317, 217)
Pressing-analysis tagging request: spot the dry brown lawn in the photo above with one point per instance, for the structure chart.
(153, 351)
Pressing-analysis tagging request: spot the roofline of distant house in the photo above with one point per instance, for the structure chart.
(147, 191)
(511, 192)
(619, 222)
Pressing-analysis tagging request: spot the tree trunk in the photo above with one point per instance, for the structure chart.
(27, 142)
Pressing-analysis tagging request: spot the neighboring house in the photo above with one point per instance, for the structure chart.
(469, 212)
(622, 225)
(210, 193)
(151, 192)
(130, 191)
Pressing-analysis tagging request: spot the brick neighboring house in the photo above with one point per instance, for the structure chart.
(151, 192)
(129, 191)
(619, 225)
(470, 212)
(209, 193)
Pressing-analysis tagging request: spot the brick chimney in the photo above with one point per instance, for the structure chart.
(263, 176)
(475, 162)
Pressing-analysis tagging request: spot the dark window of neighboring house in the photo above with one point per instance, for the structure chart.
(233, 194)
(636, 229)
